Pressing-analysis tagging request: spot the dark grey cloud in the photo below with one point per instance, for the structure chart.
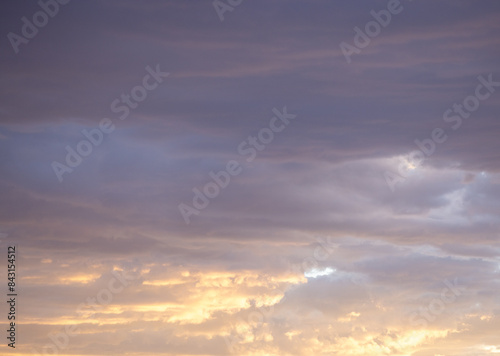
(321, 176)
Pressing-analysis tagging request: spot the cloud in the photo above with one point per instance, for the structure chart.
(306, 252)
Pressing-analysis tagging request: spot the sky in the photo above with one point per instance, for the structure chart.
(251, 177)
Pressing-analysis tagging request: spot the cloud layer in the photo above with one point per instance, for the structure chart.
(413, 270)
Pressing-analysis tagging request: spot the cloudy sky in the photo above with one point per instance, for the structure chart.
(251, 177)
